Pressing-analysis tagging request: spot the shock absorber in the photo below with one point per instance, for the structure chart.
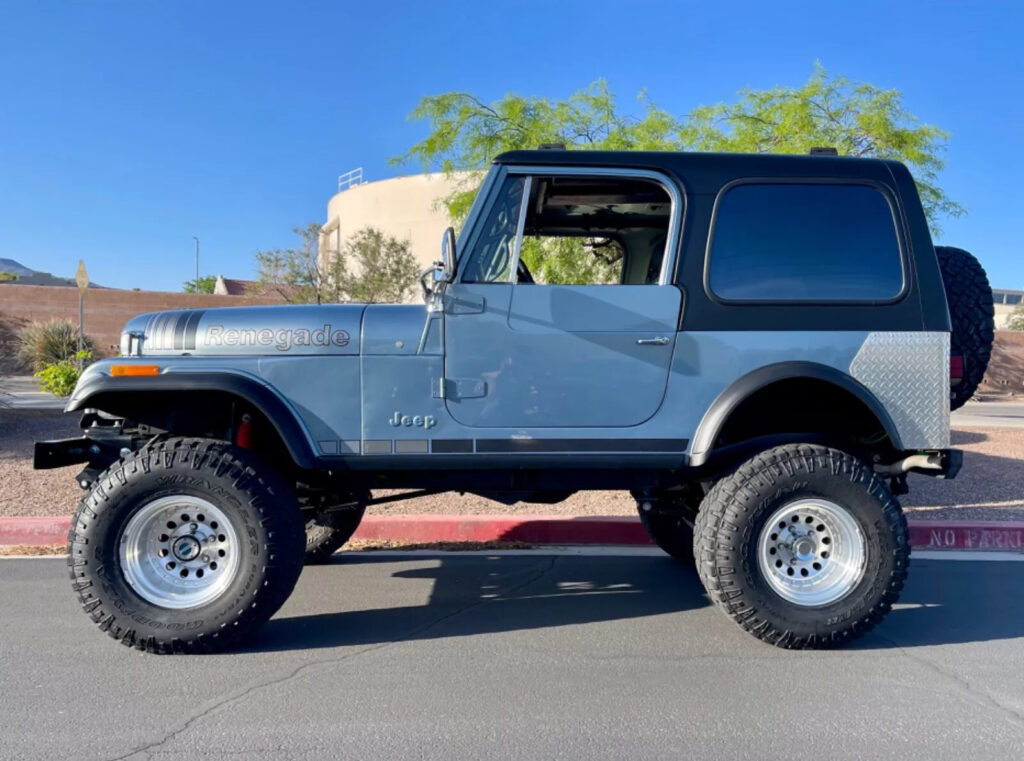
(243, 436)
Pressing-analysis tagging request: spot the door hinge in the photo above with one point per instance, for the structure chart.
(454, 389)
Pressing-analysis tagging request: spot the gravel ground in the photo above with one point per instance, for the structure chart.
(990, 486)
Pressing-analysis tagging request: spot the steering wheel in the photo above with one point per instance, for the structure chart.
(523, 276)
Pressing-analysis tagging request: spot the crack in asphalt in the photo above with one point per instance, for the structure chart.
(977, 695)
(240, 695)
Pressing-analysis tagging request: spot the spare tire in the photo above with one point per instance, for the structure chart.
(972, 316)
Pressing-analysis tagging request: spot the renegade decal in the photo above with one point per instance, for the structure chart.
(282, 340)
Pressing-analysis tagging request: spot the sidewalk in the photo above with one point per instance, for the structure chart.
(21, 392)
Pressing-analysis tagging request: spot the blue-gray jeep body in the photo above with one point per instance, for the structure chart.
(767, 361)
(515, 375)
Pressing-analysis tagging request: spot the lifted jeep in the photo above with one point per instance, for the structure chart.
(757, 347)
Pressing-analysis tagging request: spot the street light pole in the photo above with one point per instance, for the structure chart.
(82, 281)
(197, 262)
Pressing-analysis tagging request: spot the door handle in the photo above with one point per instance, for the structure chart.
(659, 341)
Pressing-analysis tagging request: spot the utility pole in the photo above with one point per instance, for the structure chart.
(197, 262)
(82, 280)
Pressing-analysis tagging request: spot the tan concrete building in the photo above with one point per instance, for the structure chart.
(1005, 303)
(408, 208)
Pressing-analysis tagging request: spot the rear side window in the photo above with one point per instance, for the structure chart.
(804, 242)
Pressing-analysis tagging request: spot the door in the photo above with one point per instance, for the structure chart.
(561, 315)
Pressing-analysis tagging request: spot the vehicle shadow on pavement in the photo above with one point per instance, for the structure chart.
(945, 602)
(488, 594)
(954, 602)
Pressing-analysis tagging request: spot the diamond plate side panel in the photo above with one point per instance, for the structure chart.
(909, 373)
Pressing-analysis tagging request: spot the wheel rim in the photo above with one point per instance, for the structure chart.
(179, 552)
(812, 552)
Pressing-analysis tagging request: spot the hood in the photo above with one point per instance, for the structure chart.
(319, 329)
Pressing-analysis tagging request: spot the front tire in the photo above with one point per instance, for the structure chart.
(668, 521)
(803, 546)
(187, 545)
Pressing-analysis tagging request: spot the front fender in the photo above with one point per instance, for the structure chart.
(96, 386)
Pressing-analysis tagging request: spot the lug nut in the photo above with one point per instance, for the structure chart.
(193, 527)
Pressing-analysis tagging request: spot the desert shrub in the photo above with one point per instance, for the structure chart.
(59, 378)
(42, 344)
(1016, 320)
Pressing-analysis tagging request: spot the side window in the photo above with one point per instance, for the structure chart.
(491, 259)
(804, 242)
(593, 230)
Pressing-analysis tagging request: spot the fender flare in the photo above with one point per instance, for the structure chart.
(261, 396)
(727, 401)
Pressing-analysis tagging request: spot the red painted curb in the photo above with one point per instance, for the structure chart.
(34, 530)
(553, 529)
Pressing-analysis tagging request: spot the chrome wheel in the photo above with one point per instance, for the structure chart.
(179, 552)
(812, 552)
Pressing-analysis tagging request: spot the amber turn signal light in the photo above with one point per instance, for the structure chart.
(130, 371)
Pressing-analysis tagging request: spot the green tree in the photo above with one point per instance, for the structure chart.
(298, 275)
(206, 285)
(1016, 319)
(369, 266)
(857, 119)
(7, 277)
(380, 268)
(572, 260)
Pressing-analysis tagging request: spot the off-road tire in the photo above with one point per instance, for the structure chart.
(327, 531)
(736, 509)
(972, 315)
(258, 501)
(671, 528)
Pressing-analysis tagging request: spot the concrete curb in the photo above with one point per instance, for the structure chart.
(555, 529)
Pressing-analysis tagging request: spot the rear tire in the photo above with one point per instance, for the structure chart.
(803, 546)
(328, 530)
(972, 315)
(185, 546)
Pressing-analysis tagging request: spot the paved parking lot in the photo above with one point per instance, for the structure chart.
(520, 656)
(990, 415)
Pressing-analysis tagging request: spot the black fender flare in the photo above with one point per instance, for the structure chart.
(261, 396)
(727, 401)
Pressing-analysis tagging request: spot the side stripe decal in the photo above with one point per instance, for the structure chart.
(174, 330)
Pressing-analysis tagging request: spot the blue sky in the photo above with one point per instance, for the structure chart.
(128, 127)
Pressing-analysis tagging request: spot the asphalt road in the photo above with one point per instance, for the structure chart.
(520, 657)
(989, 415)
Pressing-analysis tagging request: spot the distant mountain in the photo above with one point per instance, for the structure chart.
(28, 276)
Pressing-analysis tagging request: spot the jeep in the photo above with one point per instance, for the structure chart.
(759, 348)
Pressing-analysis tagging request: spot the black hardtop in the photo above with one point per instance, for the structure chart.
(703, 176)
(707, 172)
